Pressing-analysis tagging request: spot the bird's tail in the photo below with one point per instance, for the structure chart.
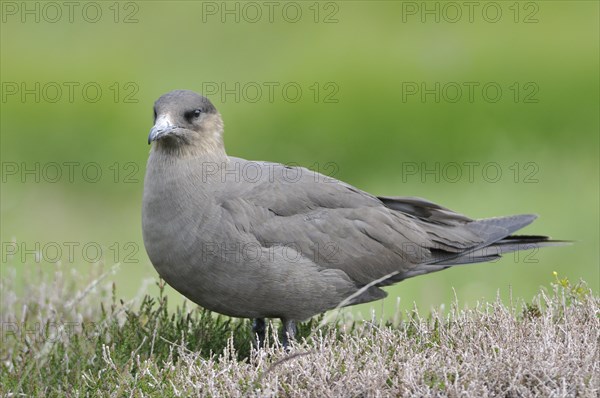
(498, 239)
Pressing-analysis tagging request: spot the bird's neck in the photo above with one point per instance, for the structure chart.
(212, 149)
(186, 165)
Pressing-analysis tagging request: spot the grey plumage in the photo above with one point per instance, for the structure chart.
(259, 239)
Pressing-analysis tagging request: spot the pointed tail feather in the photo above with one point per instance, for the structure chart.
(496, 250)
(498, 239)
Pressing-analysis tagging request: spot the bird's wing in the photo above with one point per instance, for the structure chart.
(424, 210)
(338, 226)
(287, 190)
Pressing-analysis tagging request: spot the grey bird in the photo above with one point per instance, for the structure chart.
(264, 240)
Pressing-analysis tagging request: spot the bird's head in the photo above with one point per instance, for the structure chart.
(186, 122)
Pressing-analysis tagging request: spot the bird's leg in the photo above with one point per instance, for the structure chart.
(258, 332)
(289, 332)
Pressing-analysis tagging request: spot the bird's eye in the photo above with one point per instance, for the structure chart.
(197, 112)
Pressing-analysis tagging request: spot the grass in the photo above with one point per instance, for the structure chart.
(61, 340)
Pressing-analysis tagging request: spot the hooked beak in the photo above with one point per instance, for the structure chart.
(162, 127)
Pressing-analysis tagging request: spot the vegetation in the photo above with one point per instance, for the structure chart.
(60, 341)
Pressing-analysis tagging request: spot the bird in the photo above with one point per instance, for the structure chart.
(258, 240)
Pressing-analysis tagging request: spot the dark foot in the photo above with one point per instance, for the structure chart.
(289, 332)
(258, 333)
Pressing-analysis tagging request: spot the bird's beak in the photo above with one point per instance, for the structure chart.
(162, 127)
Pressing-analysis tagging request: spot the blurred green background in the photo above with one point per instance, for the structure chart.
(355, 63)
